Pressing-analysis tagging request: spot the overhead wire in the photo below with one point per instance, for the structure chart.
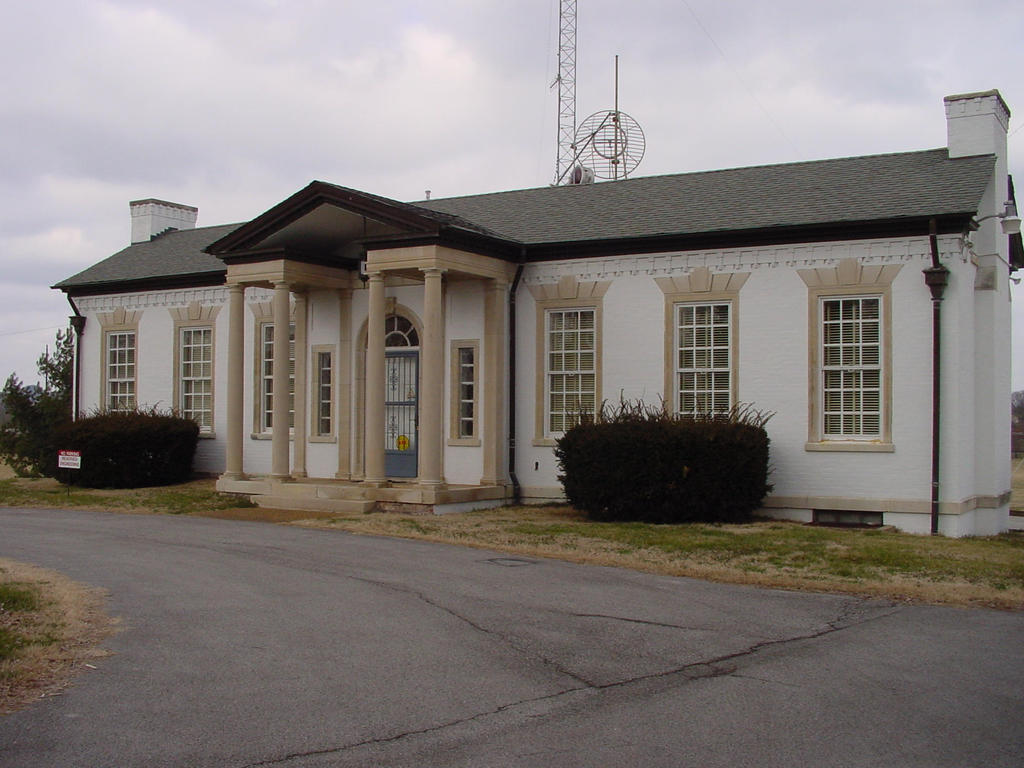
(742, 82)
(32, 330)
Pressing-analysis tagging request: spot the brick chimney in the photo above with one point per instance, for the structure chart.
(976, 124)
(152, 217)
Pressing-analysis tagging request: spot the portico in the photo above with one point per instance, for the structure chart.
(306, 268)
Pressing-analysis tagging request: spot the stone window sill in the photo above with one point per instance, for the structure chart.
(851, 446)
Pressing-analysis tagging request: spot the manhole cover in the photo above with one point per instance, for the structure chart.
(509, 562)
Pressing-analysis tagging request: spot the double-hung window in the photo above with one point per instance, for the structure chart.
(570, 368)
(120, 370)
(703, 375)
(267, 376)
(851, 376)
(850, 348)
(195, 376)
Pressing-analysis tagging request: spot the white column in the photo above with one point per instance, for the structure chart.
(236, 379)
(431, 398)
(301, 351)
(279, 429)
(374, 418)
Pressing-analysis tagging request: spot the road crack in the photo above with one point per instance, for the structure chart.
(713, 667)
(415, 732)
(508, 641)
(648, 622)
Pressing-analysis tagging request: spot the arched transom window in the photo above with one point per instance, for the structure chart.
(399, 332)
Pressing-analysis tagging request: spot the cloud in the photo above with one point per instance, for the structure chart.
(232, 106)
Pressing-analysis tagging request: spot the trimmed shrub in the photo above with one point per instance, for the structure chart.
(130, 449)
(643, 464)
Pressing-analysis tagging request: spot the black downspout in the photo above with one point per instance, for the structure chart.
(516, 490)
(78, 324)
(936, 277)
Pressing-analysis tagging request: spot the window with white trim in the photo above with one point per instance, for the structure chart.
(703, 375)
(324, 398)
(267, 376)
(195, 376)
(851, 375)
(120, 370)
(466, 369)
(570, 367)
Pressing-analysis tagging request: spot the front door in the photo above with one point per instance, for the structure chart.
(401, 412)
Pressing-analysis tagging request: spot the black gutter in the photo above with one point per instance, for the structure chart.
(936, 277)
(156, 283)
(516, 489)
(78, 324)
(908, 226)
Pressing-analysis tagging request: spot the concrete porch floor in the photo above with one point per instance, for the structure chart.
(348, 496)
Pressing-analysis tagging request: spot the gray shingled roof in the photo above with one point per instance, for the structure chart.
(855, 189)
(904, 185)
(172, 253)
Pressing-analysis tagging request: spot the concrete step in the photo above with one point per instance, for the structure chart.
(317, 491)
(313, 504)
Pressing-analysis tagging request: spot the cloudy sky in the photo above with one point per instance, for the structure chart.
(232, 105)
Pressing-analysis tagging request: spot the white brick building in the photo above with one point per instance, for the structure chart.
(439, 347)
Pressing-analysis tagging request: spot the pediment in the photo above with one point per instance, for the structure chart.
(323, 223)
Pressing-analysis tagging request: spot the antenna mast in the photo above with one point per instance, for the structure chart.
(566, 89)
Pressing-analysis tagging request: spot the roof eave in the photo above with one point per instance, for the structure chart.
(167, 282)
(948, 223)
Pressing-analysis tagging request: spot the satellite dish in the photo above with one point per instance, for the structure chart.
(610, 144)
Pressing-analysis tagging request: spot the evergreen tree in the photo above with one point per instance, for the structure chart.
(35, 412)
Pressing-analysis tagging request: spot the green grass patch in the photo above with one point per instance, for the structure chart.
(196, 496)
(18, 604)
(15, 597)
(185, 500)
(10, 643)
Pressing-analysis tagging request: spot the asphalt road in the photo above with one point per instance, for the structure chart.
(260, 645)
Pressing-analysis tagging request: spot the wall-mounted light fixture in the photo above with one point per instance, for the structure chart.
(1009, 220)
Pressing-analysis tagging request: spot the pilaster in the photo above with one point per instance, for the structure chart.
(301, 353)
(494, 383)
(344, 386)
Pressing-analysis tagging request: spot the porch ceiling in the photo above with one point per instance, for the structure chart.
(327, 230)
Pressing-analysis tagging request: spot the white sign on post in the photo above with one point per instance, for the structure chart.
(69, 459)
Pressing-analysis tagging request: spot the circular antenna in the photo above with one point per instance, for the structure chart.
(611, 143)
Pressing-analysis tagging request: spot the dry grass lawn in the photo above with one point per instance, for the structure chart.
(56, 640)
(881, 562)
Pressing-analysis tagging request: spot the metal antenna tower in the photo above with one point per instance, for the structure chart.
(566, 82)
